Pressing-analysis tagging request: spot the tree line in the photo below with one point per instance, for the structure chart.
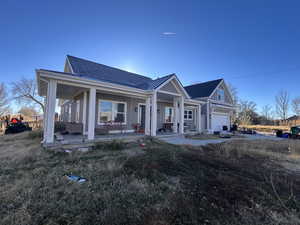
(23, 93)
(270, 114)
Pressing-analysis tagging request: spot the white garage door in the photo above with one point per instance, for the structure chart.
(218, 121)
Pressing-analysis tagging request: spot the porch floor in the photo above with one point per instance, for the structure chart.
(70, 139)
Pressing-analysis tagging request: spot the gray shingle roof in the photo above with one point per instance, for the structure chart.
(201, 90)
(96, 71)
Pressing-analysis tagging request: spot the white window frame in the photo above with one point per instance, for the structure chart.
(70, 112)
(172, 115)
(186, 113)
(222, 98)
(77, 115)
(99, 111)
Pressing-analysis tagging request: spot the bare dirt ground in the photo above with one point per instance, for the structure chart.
(239, 182)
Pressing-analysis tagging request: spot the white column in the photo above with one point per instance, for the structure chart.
(84, 112)
(45, 117)
(147, 116)
(181, 115)
(50, 112)
(154, 114)
(175, 122)
(207, 115)
(199, 118)
(92, 111)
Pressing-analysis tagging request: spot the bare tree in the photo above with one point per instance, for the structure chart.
(282, 104)
(267, 112)
(234, 93)
(28, 111)
(296, 106)
(25, 91)
(246, 112)
(4, 108)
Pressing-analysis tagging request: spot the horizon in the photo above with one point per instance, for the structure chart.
(253, 46)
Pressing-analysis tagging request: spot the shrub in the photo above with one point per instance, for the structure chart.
(112, 145)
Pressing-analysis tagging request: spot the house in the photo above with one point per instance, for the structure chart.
(101, 98)
(218, 108)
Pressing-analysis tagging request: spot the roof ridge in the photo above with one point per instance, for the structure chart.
(169, 75)
(204, 82)
(109, 66)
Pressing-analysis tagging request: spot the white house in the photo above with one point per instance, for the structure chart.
(97, 96)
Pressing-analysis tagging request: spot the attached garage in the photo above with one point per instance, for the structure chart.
(219, 120)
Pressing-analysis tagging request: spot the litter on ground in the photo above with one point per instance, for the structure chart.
(76, 178)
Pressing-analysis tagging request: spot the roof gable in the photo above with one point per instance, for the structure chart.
(202, 90)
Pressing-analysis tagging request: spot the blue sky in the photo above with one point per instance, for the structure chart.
(253, 44)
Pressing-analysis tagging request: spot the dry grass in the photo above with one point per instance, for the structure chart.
(241, 182)
(266, 128)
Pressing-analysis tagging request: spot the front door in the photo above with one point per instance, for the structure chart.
(142, 116)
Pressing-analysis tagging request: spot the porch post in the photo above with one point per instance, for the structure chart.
(147, 116)
(154, 114)
(45, 117)
(199, 118)
(84, 112)
(175, 122)
(50, 112)
(181, 113)
(207, 115)
(92, 109)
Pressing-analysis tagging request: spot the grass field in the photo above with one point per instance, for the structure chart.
(266, 128)
(241, 182)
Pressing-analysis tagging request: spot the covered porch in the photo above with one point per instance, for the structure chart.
(123, 112)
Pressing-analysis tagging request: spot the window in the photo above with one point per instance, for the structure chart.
(77, 111)
(169, 115)
(220, 95)
(188, 114)
(70, 112)
(110, 111)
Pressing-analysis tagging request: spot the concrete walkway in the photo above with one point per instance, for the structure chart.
(181, 140)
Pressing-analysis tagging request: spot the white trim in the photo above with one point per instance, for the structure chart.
(139, 111)
(223, 104)
(188, 110)
(84, 82)
(125, 111)
(194, 102)
(169, 93)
